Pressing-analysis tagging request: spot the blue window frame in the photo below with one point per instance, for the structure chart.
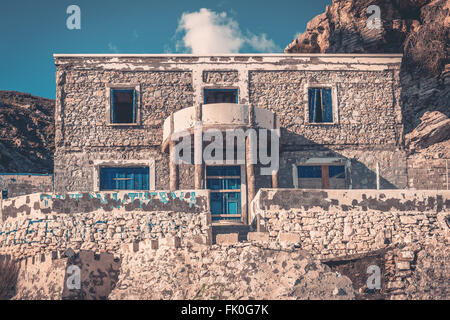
(309, 171)
(220, 96)
(226, 181)
(320, 105)
(337, 172)
(125, 178)
(123, 106)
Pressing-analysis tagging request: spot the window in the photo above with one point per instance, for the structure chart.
(320, 105)
(321, 176)
(225, 185)
(124, 178)
(220, 96)
(123, 106)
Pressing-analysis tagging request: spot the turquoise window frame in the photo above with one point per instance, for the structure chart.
(113, 111)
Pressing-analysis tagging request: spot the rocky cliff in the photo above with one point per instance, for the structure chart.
(417, 28)
(27, 133)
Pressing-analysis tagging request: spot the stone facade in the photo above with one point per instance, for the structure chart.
(367, 130)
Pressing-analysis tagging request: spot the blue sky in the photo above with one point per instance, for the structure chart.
(31, 31)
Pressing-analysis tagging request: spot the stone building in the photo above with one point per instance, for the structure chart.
(337, 116)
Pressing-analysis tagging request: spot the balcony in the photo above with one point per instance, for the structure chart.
(220, 116)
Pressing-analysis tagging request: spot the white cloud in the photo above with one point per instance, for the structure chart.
(261, 43)
(207, 32)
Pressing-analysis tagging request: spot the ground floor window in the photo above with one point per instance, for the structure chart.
(124, 178)
(321, 176)
(225, 185)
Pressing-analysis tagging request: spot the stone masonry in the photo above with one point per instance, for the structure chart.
(367, 130)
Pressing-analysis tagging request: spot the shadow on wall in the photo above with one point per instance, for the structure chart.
(296, 148)
(90, 276)
(9, 272)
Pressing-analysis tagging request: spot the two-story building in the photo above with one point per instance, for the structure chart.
(337, 117)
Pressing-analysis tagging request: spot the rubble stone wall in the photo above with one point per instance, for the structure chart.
(44, 224)
(21, 184)
(430, 174)
(332, 223)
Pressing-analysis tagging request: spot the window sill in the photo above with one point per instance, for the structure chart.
(123, 124)
(322, 123)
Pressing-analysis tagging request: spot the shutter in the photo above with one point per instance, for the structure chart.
(327, 109)
(134, 106)
(113, 111)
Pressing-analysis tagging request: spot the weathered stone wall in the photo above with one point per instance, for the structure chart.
(21, 184)
(239, 271)
(367, 91)
(368, 106)
(43, 224)
(220, 77)
(430, 174)
(332, 223)
(83, 132)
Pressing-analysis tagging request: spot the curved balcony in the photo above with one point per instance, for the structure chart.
(220, 116)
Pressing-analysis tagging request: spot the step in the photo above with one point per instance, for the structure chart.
(241, 229)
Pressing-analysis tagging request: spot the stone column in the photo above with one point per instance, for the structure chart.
(198, 148)
(173, 167)
(275, 179)
(250, 145)
(275, 172)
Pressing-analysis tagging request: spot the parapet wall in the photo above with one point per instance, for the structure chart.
(102, 222)
(333, 223)
(17, 184)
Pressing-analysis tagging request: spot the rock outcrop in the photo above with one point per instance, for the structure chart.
(27, 133)
(434, 129)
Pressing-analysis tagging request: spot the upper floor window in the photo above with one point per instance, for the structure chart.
(220, 96)
(123, 106)
(320, 105)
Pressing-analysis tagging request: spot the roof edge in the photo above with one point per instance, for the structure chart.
(154, 55)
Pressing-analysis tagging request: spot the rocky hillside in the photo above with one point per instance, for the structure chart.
(27, 133)
(420, 30)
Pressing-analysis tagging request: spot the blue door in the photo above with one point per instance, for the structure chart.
(124, 178)
(225, 185)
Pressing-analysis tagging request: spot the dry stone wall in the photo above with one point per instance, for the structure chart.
(44, 224)
(333, 223)
(429, 174)
(20, 184)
